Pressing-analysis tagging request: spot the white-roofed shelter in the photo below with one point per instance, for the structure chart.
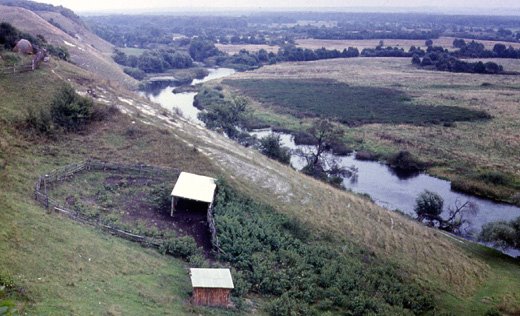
(193, 187)
(211, 287)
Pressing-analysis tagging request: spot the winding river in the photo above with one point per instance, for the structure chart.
(183, 101)
(389, 189)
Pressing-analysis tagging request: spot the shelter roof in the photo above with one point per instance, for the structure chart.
(211, 278)
(194, 187)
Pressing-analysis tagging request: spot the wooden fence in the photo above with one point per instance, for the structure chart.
(49, 180)
(30, 66)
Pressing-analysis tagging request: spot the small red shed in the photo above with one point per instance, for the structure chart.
(211, 287)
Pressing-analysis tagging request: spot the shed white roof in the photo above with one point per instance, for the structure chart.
(194, 187)
(211, 278)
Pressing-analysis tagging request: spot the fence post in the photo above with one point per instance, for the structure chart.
(45, 183)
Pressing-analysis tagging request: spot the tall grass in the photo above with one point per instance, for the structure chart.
(352, 105)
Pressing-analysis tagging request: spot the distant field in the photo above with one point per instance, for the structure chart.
(352, 105)
(233, 49)
(446, 42)
(131, 51)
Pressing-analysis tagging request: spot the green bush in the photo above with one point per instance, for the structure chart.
(184, 247)
(136, 73)
(277, 256)
(69, 110)
(59, 51)
(39, 121)
(502, 234)
(405, 161)
(160, 198)
(271, 147)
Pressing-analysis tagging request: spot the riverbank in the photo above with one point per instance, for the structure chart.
(390, 188)
(479, 157)
(344, 215)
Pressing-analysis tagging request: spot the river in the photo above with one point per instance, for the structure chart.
(388, 188)
(183, 102)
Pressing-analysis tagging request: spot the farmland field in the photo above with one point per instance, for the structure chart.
(446, 42)
(235, 48)
(460, 153)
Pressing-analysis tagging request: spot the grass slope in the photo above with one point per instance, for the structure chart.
(63, 267)
(88, 51)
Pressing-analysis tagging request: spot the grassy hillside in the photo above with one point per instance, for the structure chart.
(58, 266)
(122, 271)
(464, 152)
(86, 49)
(42, 251)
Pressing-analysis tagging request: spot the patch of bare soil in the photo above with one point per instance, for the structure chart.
(189, 219)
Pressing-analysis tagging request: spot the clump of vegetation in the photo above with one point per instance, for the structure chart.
(495, 177)
(491, 184)
(184, 247)
(226, 115)
(429, 207)
(405, 161)
(308, 276)
(67, 111)
(135, 73)
(366, 155)
(160, 197)
(502, 234)
(443, 61)
(59, 51)
(154, 61)
(320, 165)
(272, 148)
(350, 105)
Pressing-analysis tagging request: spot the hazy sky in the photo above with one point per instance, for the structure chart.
(101, 5)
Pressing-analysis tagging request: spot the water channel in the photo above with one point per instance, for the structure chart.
(388, 188)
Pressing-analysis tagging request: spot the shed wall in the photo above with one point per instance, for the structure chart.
(211, 296)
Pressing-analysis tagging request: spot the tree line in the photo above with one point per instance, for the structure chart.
(153, 61)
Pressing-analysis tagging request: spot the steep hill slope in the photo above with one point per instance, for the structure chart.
(86, 49)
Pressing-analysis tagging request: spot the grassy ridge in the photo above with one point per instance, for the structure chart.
(352, 105)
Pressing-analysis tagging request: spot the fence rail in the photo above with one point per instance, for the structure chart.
(45, 182)
(29, 66)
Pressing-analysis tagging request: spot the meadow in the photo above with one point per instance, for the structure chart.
(348, 104)
(460, 152)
